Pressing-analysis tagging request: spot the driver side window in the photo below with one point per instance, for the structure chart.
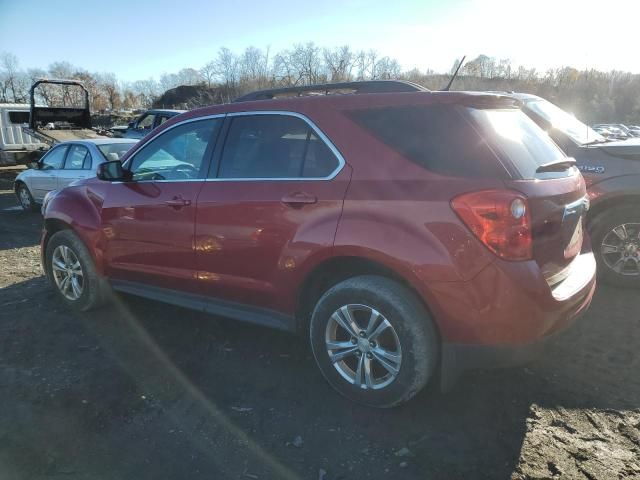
(177, 154)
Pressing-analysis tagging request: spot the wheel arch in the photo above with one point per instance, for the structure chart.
(611, 202)
(339, 268)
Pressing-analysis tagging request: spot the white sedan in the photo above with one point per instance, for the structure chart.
(65, 163)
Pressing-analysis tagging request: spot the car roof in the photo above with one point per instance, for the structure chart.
(164, 110)
(525, 96)
(348, 101)
(100, 141)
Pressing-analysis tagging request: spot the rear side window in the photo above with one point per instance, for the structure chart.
(523, 145)
(78, 158)
(275, 146)
(19, 117)
(439, 138)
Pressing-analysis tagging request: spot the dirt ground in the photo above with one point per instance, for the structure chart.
(148, 391)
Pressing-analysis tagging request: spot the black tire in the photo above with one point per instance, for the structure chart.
(600, 228)
(95, 289)
(29, 205)
(413, 327)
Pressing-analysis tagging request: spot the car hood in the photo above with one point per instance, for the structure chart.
(622, 147)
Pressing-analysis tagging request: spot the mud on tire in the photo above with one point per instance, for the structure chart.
(411, 329)
(94, 291)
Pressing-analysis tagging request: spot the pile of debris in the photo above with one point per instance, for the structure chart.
(187, 97)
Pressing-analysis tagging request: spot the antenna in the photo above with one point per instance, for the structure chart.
(455, 74)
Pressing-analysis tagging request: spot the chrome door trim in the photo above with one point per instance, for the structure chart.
(310, 123)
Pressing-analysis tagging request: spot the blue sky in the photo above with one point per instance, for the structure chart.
(143, 38)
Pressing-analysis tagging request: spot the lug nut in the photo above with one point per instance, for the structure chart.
(369, 355)
(362, 333)
(353, 340)
(358, 353)
(372, 344)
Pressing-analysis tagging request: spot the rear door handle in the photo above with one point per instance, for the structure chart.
(298, 199)
(178, 202)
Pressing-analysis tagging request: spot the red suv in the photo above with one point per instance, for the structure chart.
(410, 234)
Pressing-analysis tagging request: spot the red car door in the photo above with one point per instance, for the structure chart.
(274, 203)
(149, 221)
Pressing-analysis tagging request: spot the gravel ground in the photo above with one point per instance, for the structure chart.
(147, 391)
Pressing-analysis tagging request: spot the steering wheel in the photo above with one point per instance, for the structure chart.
(185, 170)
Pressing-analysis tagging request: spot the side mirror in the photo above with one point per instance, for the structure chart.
(132, 124)
(111, 171)
(33, 165)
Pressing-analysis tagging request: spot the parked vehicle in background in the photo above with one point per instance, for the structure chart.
(612, 173)
(145, 123)
(604, 131)
(17, 146)
(635, 130)
(408, 234)
(614, 131)
(63, 164)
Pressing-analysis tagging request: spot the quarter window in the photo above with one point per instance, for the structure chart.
(439, 138)
(177, 154)
(78, 158)
(274, 146)
(54, 159)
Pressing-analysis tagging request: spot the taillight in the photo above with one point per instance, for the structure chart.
(500, 219)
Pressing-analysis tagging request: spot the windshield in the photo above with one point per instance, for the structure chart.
(115, 151)
(565, 122)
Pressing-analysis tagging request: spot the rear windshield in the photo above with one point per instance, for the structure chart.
(115, 151)
(436, 137)
(462, 141)
(521, 143)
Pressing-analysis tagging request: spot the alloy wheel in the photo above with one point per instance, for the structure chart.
(363, 346)
(620, 249)
(25, 198)
(67, 272)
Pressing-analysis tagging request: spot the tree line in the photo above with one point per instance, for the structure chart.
(592, 95)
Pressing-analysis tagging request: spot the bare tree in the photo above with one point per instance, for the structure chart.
(208, 72)
(108, 83)
(339, 63)
(9, 73)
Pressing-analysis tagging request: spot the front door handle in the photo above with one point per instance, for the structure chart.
(299, 199)
(178, 202)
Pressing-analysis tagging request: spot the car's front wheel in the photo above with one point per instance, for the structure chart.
(71, 271)
(374, 341)
(26, 199)
(616, 242)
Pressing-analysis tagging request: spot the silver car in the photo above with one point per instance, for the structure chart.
(65, 163)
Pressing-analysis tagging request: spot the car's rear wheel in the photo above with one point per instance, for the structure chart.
(26, 199)
(616, 243)
(374, 341)
(71, 271)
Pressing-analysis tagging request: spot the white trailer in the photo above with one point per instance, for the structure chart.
(16, 145)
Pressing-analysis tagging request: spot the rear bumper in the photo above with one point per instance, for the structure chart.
(505, 319)
(459, 357)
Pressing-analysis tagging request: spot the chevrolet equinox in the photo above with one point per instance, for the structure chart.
(408, 234)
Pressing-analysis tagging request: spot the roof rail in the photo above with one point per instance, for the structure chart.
(368, 86)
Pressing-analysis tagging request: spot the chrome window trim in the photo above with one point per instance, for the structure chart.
(304, 118)
(183, 122)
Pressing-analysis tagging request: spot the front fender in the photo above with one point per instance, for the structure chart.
(78, 210)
